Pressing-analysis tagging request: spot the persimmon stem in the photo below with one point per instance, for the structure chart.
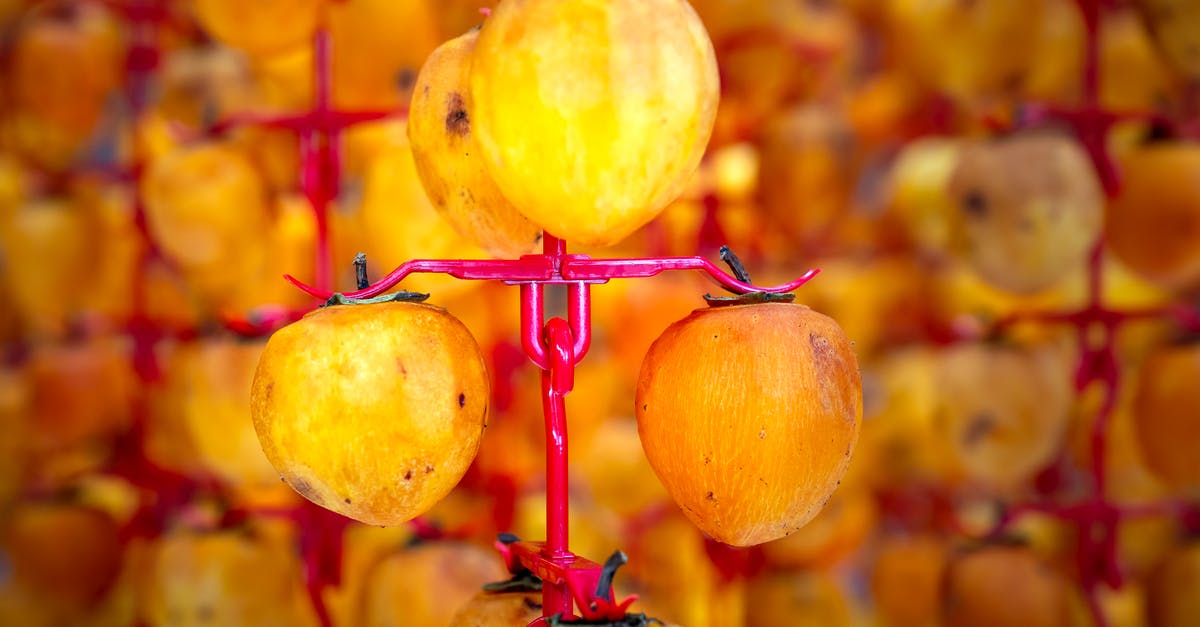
(735, 264)
(360, 271)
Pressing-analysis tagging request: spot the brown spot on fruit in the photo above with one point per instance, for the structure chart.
(408, 475)
(457, 120)
(710, 496)
(428, 469)
(305, 489)
(400, 367)
(975, 204)
(978, 428)
(346, 501)
(462, 400)
(531, 604)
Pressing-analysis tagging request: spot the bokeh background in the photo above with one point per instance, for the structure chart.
(1003, 197)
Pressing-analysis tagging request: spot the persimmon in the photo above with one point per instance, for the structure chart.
(1175, 24)
(796, 599)
(984, 62)
(1002, 410)
(211, 381)
(749, 414)
(906, 580)
(761, 49)
(15, 400)
(1153, 224)
(399, 429)
(499, 609)
(372, 67)
(80, 394)
(235, 577)
(47, 247)
(1167, 414)
(423, 586)
(397, 223)
(918, 190)
(588, 163)
(805, 180)
(1003, 586)
(1030, 208)
(616, 470)
(260, 29)
(65, 61)
(206, 208)
(62, 550)
(1173, 589)
(448, 158)
(669, 545)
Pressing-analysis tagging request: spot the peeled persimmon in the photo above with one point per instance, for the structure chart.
(906, 580)
(1002, 411)
(1173, 589)
(1153, 224)
(1176, 28)
(1030, 210)
(749, 413)
(63, 551)
(448, 158)
(373, 411)
(1167, 414)
(592, 116)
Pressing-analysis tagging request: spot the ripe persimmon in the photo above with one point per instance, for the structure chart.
(1030, 210)
(499, 609)
(448, 159)
(576, 104)
(262, 28)
(372, 411)
(1002, 411)
(62, 550)
(1004, 586)
(1173, 589)
(749, 414)
(1167, 414)
(423, 586)
(906, 580)
(1153, 224)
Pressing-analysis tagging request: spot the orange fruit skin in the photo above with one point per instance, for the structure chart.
(261, 28)
(424, 586)
(62, 551)
(1154, 222)
(1004, 586)
(1173, 590)
(749, 415)
(372, 411)
(1167, 411)
(906, 580)
(499, 609)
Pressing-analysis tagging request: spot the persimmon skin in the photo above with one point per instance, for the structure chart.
(499, 609)
(372, 411)
(749, 415)
(593, 115)
(448, 159)
(1004, 586)
(1167, 415)
(1153, 225)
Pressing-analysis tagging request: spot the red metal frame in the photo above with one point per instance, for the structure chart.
(556, 346)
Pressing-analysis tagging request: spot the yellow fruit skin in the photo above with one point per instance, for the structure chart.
(1002, 411)
(749, 415)
(425, 585)
(1030, 210)
(448, 160)
(228, 578)
(372, 411)
(207, 210)
(592, 116)
(260, 28)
